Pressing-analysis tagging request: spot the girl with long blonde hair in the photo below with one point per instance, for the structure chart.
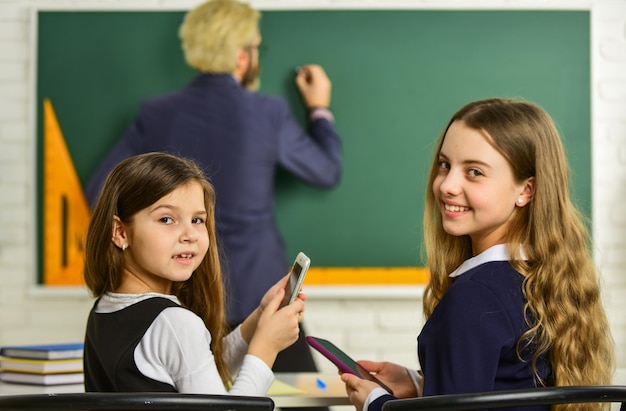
(513, 299)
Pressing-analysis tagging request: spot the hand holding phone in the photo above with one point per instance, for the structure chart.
(296, 278)
(342, 360)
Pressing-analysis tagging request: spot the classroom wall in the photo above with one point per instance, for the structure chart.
(375, 323)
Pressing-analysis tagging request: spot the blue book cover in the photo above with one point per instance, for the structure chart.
(44, 351)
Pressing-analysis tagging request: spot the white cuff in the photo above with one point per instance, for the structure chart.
(373, 395)
(321, 113)
(418, 379)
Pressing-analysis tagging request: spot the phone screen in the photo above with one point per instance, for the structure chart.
(342, 360)
(296, 277)
(342, 356)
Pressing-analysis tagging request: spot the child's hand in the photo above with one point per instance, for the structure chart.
(276, 328)
(249, 326)
(394, 376)
(269, 295)
(357, 389)
(280, 285)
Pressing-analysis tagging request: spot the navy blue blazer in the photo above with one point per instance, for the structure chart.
(469, 343)
(240, 138)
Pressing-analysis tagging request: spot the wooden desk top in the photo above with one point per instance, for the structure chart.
(318, 390)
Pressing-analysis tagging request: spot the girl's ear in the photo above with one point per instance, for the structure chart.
(528, 192)
(119, 234)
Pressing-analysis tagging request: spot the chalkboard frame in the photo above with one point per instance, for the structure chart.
(293, 196)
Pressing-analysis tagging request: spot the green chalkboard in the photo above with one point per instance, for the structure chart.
(397, 77)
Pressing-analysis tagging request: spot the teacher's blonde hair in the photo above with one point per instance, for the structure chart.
(213, 33)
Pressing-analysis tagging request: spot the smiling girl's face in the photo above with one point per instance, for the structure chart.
(167, 240)
(474, 188)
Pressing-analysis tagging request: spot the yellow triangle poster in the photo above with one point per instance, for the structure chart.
(65, 209)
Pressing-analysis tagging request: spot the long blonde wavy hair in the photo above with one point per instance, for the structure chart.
(560, 284)
(133, 185)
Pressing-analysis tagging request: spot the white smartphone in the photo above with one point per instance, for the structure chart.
(296, 278)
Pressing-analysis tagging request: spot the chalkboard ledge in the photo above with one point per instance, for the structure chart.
(367, 276)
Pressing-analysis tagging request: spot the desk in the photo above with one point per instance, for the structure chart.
(312, 395)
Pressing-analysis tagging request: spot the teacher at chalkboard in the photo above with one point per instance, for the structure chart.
(240, 137)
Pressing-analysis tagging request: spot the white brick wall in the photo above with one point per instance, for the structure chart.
(369, 325)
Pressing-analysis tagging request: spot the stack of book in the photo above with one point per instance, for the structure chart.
(42, 364)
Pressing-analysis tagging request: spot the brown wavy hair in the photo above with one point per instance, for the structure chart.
(137, 183)
(563, 308)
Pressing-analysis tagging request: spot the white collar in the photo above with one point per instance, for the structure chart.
(497, 252)
(111, 302)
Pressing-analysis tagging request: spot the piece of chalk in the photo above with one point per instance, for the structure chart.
(307, 73)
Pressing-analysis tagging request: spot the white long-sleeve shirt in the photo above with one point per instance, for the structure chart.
(176, 350)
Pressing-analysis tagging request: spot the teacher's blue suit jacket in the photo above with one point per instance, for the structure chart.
(240, 138)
